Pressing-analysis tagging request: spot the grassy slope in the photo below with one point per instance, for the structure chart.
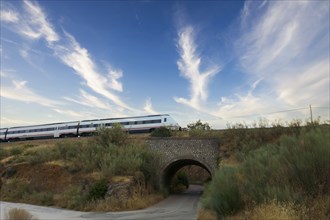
(242, 149)
(56, 172)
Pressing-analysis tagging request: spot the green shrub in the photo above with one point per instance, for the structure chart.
(199, 129)
(72, 198)
(42, 155)
(98, 190)
(161, 132)
(67, 149)
(222, 194)
(114, 135)
(150, 166)
(294, 170)
(41, 198)
(15, 190)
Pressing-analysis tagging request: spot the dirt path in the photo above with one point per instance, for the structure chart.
(182, 206)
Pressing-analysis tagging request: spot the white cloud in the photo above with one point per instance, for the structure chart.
(11, 122)
(148, 107)
(9, 16)
(34, 24)
(37, 25)
(31, 23)
(89, 100)
(189, 66)
(70, 113)
(20, 92)
(284, 48)
(78, 58)
(114, 75)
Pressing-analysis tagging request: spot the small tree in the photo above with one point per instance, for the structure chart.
(198, 129)
(114, 135)
(198, 125)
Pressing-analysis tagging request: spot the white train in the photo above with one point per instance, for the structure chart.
(138, 124)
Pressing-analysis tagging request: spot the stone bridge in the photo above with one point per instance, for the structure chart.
(179, 152)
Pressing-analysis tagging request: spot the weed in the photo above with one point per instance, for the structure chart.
(18, 214)
(16, 150)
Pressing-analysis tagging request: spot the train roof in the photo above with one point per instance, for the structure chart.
(59, 123)
(146, 116)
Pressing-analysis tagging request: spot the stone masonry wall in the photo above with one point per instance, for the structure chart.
(203, 150)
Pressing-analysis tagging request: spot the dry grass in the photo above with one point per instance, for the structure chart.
(18, 214)
(318, 208)
(206, 214)
(135, 203)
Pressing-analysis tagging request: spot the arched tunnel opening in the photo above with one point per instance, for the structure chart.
(186, 166)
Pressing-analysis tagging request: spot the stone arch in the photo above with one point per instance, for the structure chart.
(174, 165)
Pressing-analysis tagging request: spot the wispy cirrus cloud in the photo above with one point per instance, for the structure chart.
(89, 100)
(190, 68)
(79, 59)
(37, 25)
(18, 90)
(7, 15)
(33, 23)
(285, 47)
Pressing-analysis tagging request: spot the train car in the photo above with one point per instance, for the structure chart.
(32, 132)
(139, 124)
(54, 130)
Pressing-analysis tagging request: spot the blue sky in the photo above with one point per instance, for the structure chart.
(218, 61)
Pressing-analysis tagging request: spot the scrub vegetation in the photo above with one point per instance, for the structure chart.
(271, 172)
(76, 173)
(266, 171)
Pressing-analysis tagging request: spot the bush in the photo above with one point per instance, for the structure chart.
(293, 171)
(114, 135)
(72, 198)
(41, 198)
(15, 190)
(150, 167)
(222, 194)
(199, 129)
(98, 190)
(161, 132)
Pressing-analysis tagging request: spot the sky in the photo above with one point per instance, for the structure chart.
(222, 62)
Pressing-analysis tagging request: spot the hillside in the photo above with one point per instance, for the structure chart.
(75, 173)
(263, 172)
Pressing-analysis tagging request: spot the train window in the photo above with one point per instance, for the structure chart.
(165, 119)
(108, 124)
(85, 126)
